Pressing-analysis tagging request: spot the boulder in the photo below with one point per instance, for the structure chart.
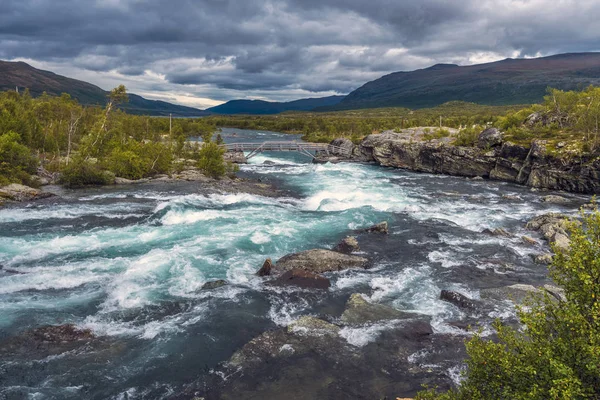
(301, 278)
(17, 192)
(498, 232)
(341, 147)
(319, 261)
(516, 293)
(235, 157)
(214, 284)
(528, 240)
(553, 199)
(381, 227)
(360, 311)
(458, 299)
(489, 138)
(561, 241)
(266, 268)
(347, 245)
(543, 259)
(312, 325)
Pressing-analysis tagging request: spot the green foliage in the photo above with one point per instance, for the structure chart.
(16, 160)
(557, 355)
(210, 160)
(82, 172)
(468, 136)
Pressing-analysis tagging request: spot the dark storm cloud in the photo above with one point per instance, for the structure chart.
(284, 48)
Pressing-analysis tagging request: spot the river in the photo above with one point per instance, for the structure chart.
(128, 262)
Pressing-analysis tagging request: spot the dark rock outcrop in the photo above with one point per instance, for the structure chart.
(492, 158)
(214, 284)
(318, 261)
(458, 299)
(360, 311)
(381, 227)
(303, 279)
(347, 246)
(266, 268)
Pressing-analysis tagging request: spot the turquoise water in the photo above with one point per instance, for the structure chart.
(129, 263)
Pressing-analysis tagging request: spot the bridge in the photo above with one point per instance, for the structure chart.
(308, 149)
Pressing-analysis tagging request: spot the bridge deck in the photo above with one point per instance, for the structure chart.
(300, 147)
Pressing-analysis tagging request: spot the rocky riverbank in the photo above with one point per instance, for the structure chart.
(492, 158)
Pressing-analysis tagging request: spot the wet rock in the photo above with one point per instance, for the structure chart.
(303, 279)
(360, 311)
(381, 227)
(516, 293)
(556, 292)
(528, 240)
(17, 192)
(458, 299)
(553, 199)
(489, 138)
(511, 197)
(347, 245)
(497, 232)
(319, 261)
(235, 157)
(543, 259)
(313, 326)
(214, 284)
(266, 268)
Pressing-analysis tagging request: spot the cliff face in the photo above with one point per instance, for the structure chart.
(495, 159)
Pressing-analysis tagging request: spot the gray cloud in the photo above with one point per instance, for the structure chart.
(280, 50)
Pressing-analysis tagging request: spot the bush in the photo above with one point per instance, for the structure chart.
(557, 355)
(210, 160)
(126, 164)
(81, 172)
(16, 160)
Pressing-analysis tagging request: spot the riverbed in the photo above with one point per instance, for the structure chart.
(129, 262)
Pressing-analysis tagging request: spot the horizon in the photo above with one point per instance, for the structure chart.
(205, 54)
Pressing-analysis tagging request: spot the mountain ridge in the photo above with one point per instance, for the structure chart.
(261, 107)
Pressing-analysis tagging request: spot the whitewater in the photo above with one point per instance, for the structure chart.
(128, 262)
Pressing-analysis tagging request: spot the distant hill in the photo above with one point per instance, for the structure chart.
(23, 75)
(260, 107)
(510, 81)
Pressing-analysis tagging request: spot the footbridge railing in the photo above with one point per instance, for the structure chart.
(308, 149)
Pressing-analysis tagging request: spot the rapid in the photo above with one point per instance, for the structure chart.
(128, 262)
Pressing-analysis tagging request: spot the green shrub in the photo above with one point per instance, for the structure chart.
(468, 136)
(126, 164)
(81, 173)
(16, 160)
(557, 355)
(210, 160)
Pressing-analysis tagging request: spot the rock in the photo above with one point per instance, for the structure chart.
(360, 311)
(516, 293)
(381, 227)
(553, 199)
(347, 245)
(312, 325)
(303, 279)
(266, 268)
(46, 340)
(533, 119)
(341, 147)
(556, 292)
(497, 232)
(561, 241)
(543, 259)
(458, 299)
(528, 240)
(489, 138)
(17, 192)
(319, 261)
(214, 284)
(536, 223)
(511, 197)
(235, 157)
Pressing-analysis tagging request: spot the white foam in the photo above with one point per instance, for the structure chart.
(362, 336)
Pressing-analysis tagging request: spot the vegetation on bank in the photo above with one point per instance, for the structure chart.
(356, 124)
(556, 352)
(92, 145)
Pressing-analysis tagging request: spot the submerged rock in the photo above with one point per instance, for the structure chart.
(381, 227)
(553, 199)
(497, 232)
(528, 240)
(458, 299)
(266, 268)
(347, 245)
(303, 279)
(214, 284)
(360, 311)
(319, 261)
(516, 293)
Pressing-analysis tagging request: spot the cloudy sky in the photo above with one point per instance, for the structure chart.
(203, 52)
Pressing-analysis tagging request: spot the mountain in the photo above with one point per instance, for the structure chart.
(510, 81)
(23, 75)
(267, 107)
